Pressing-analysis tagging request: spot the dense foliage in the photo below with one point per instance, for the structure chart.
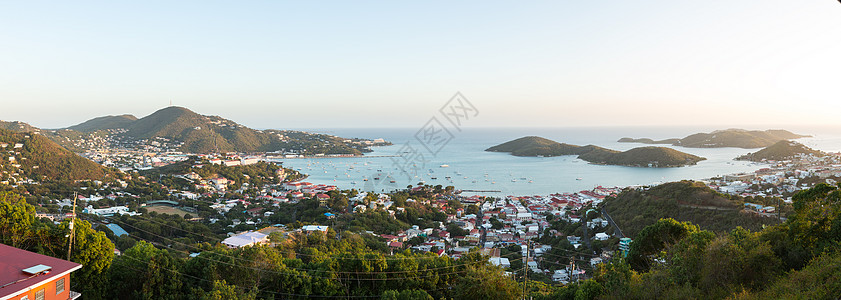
(40, 158)
(690, 201)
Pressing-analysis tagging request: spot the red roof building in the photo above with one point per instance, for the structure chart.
(29, 275)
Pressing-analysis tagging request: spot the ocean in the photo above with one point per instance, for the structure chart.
(463, 163)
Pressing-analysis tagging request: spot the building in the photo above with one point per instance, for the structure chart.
(28, 275)
(250, 238)
(313, 228)
(109, 211)
(601, 236)
(625, 246)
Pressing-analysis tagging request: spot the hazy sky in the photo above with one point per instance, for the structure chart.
(394, 63)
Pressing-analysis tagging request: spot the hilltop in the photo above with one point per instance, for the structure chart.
(633, 209)
(103, 123)
(738, 138)
(17, 126)
(782, 150)
(38, 157)
(637, 157)
(195, 133)
(535, 146)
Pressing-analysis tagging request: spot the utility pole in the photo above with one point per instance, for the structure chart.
(526, 263)
(72, 222)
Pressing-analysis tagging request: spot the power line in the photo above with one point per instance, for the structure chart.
(243, 288)
(323, 271)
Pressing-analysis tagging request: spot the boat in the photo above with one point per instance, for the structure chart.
(579, 178)
(392, 181)
(445, 166)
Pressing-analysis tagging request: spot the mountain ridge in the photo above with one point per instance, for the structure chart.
(733, 137)
(199, 133)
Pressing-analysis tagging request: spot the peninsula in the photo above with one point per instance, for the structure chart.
(738, 138)
(657, 157)
(782, 150)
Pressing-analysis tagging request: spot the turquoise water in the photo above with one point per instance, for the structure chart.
(471, 168)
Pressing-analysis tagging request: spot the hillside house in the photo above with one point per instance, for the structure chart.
(246, 239)
(29, 275)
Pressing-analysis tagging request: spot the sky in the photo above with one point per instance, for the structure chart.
(323, 64)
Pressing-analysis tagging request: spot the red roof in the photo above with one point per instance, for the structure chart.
(13, 261)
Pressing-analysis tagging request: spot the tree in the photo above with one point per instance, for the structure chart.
(94, 251)
(482, 281)
(223, 291)
(406, 295)
(655, 238)
(17, 219)
(144, 272)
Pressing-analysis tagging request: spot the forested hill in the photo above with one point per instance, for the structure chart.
(103, 123)
(690, 201)
(637, 157)
(38, 158)
(738, 138)
(17, 126)
(782, 150)
(206, 134)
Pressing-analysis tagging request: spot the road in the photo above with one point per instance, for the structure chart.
(612, 223)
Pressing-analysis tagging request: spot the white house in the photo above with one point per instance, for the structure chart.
(249, 238)
(313, 228)
(110, 211)
(500, 261)
(601, 236)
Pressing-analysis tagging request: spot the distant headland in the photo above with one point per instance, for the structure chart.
(656, 157)
(737, 138)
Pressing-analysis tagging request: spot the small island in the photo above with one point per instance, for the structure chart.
(738, 138)
(654, 157)
(782, 150)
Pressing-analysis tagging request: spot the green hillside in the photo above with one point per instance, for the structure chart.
(535, 146)
(637, 157)
(206, 134)
(684, 201)
(642, 157)
(17, 126)
(106, 122)
(40, 157)
(738, 138)
(782, 150)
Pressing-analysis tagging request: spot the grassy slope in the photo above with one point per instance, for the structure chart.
(53, 161)
(106, 122)
(684, 201)
(782, 150)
